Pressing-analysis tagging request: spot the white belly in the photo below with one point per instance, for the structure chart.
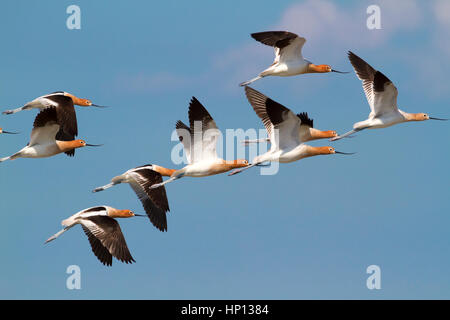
(39, 151)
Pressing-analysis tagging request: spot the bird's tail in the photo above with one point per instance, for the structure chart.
(247, 142)
(13, 110)
(246, 83)
(56, 235)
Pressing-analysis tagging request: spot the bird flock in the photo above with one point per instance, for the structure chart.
(55, 128)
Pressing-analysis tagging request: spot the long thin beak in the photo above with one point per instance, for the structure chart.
(93, 145)
(430, 118)
(8, 132)
(140, 215)
(332, 70)
(96, 105)
(263, 165)
(346, 153)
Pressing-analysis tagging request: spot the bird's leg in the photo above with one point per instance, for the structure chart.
(236, 171)
(347, 134)
(157, 185)
(247, 142)
(109, 185)
(56, 235)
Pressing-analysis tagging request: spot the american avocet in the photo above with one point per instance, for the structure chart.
(199, 143)
(47, 139)
(154, 200)
(8, 132)
(55, 99)
(286, 131)
(307, 131)
(288, 56)
(103, 232)
(381, 95)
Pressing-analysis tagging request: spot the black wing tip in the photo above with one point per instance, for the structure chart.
(250, 92)
(159, 222)
(194, 100)
(181, 125)
(379, 81)
(354, 58)
(303, 116)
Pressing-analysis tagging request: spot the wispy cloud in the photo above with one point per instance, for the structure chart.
(331, 29)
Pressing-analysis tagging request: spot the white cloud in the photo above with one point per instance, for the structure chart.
(331, 29)
(441, 10)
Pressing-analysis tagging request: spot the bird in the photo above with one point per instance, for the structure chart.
(199, 143)
(381, 94)
(47, 139)
(306, 130)
(64, 103)
(103, 232)
(289, 60)
(54, 99)
(8, 132)
(154, 201)
(286, 130)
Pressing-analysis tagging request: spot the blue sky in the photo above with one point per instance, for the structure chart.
(308, 232)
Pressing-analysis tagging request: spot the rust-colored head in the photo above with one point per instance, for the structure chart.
(70, 145)
(419, 117)
(321, 68)
(240, 163)
(325, 150)
(79, 101)
(116, 213)
(315, 151)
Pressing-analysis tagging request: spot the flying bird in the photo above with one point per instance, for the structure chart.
(47, 139)
(64, 103)
(381, 95)
(307, 131)
(199, 143)
(289, 60)
(54, 99)
(286, 130)
(103, 232)
(154, 201)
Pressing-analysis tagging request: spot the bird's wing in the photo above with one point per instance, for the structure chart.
(276, 116)
(204, 132)
(106, 239)
(184, 135)
(155, 200)
(288, 46)
(385, 95)
(286, 123)
(94, 211)
(380, 92)
(66, 115)
(45, 127)
(305, 124)
(258, 102)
